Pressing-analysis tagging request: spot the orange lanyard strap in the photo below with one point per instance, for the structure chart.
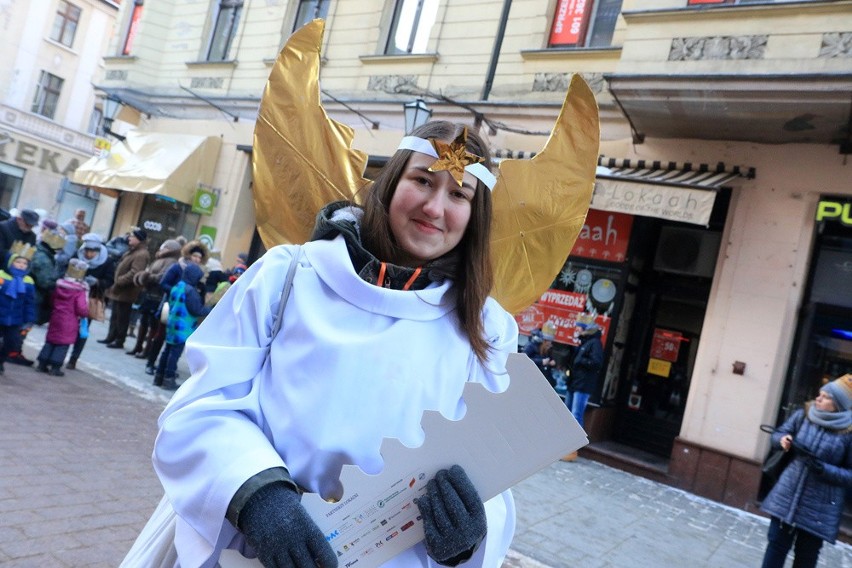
(380, 281)
(412, 279)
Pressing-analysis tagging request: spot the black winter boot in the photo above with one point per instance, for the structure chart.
(169, 384)
(158, 380)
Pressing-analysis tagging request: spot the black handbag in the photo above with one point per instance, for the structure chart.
(776, 462)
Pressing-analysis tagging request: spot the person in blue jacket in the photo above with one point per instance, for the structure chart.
(806, 505)
(585, 369)
(17, 302)
(186, 307)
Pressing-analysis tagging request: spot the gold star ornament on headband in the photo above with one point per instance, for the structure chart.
(302, 160)
(454, 157)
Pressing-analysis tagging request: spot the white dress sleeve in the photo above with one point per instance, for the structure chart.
(212, 434)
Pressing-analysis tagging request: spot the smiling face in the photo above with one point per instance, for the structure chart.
(429, 212)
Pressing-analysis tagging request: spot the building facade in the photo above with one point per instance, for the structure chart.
(717, 252)
(49, 113)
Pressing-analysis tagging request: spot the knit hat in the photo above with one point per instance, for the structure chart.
(49, 224)
(170, 244)
(140, 234)
(841, 391)
(92, 241)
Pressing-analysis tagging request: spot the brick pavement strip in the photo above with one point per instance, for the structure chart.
(76, 484)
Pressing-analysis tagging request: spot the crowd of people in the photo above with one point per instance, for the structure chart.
(63, 276)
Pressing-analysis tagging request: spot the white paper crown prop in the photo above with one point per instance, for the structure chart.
(76, 269)
(22, 250)
(302, 160)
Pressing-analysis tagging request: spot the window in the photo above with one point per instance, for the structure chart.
(47, 94)
(11, 179)
(65, 23)
(225, 29)
(584, 23)
(310, 10)
(411, 26)
(132, 27)
(95, 121)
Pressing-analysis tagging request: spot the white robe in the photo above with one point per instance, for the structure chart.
(352, 364)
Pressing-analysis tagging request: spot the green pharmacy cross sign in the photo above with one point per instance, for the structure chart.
(204, 200)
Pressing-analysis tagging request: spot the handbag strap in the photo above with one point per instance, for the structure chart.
(285, 293)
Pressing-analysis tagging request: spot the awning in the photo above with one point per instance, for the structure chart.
(171, 165)
(677, 192)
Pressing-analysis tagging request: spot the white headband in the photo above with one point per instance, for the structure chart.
(423, 146)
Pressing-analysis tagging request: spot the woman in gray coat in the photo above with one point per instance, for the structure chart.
(806, 504)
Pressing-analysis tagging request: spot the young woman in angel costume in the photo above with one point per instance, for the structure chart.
(389, 316)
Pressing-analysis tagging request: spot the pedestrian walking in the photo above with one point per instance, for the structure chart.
(806, 504)
(124, 291)
(186, 307)
(152, 296)
(70, 307)
(17, 299)
(99, 277)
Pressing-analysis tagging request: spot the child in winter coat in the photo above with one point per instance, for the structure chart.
(70, 305)
(186, 306)
(17, 302)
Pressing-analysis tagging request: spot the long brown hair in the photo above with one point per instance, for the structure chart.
(474, 278)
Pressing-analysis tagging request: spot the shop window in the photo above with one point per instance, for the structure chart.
(310, 10)
(584, 23)
(72, 196)
(11, 179)
(224, 29)
(411, 26)
(132, 28)
(65, 23)
(47, 94)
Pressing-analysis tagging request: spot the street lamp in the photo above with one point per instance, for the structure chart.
(416, 114)
(111, 106)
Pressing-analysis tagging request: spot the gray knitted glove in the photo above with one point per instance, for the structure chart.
(453, 517)
(281, 532)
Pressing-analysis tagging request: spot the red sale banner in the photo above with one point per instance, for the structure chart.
(570, 22)
(560, 309)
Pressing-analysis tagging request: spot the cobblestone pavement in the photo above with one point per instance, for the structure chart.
(76, 486)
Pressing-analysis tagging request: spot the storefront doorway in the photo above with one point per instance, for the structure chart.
(671, 269)
(164, 218)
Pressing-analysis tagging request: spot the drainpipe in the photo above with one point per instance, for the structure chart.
(495, 53)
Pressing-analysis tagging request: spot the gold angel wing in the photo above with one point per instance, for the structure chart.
(301, 158)
(540, 204)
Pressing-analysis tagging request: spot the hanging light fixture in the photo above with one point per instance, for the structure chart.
(111, 106)
(416, 114)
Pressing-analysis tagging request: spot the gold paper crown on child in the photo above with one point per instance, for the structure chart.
(76, 270)
(22, 249)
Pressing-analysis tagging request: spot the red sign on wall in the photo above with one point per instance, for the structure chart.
(570, 22)
(560, 309)
(666, 344)
(604, 236)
